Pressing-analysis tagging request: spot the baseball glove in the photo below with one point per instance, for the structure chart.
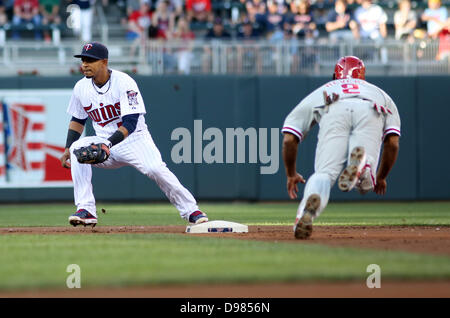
(92, 154)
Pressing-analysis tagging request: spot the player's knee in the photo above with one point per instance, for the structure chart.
(155, 172)
(151, 172)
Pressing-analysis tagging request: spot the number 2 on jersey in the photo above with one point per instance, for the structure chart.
(350, 88)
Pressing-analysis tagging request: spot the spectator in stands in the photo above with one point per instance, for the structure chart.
(255, 8)
(199, 10)
(369, 22)
(435, 16)
(247, 59)
(49, 10)
(338, 22)
(184, 36)
(444, 42)
(134, 5)
(163, 20)
(27, 12)
(3, 16)
(274, 18)
(303, 25)
(217, 32)
(83, 23)
(127, 8)
(183, 31)
(293, 7)
(246, 32)
(289, 38)
(284, 34)
(175, 6)
(405, 21)
(320, 9)
(139, 23)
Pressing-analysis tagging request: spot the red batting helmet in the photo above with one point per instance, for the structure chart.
(349, 66)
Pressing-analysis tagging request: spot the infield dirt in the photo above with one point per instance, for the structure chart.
(420, 239)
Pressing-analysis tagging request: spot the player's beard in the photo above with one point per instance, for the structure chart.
(88, 73)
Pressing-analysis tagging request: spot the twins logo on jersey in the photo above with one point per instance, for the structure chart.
(104, 114)
(132, 98)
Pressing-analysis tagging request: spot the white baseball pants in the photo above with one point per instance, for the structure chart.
(347, 124)
(82, 23)
(140, 152)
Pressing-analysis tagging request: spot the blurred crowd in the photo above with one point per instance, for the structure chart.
(272, 20)
(42, 16)
(226, 19)
(276, 19)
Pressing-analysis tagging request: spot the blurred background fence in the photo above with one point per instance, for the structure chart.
(273, 37)
(223, 102)
(188, 71)
(232, 58)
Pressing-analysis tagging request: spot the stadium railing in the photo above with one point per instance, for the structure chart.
(234, 57)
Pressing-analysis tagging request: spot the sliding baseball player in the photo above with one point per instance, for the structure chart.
(355, 119)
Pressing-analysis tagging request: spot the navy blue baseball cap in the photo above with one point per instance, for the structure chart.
(94, 50)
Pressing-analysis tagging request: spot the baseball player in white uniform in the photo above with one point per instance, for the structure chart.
(355, 118)
(113, 102)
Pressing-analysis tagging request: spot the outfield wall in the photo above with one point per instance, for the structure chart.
(225, 102)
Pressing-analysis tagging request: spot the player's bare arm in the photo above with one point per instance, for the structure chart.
(75, 131)
(290, 148)
(388, 158)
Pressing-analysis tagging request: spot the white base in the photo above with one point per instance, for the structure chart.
(217, 227)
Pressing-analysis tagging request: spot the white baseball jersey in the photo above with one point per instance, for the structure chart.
(370, 20)
(311, 108)
(361, 117)
(107, 105)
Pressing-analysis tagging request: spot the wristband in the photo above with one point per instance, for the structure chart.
(72, 136)
(115, 138)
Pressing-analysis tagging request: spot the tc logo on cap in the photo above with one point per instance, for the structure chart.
(94, 50)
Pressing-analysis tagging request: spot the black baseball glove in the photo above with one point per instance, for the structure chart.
(92, 154)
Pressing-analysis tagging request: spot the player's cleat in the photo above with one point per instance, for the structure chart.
(198, 217)
(350, 176)
(303, 226)
(365, 183)
(82, 217)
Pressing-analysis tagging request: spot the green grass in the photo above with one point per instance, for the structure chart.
(374, 213)
(40, 261)
(32, 261)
